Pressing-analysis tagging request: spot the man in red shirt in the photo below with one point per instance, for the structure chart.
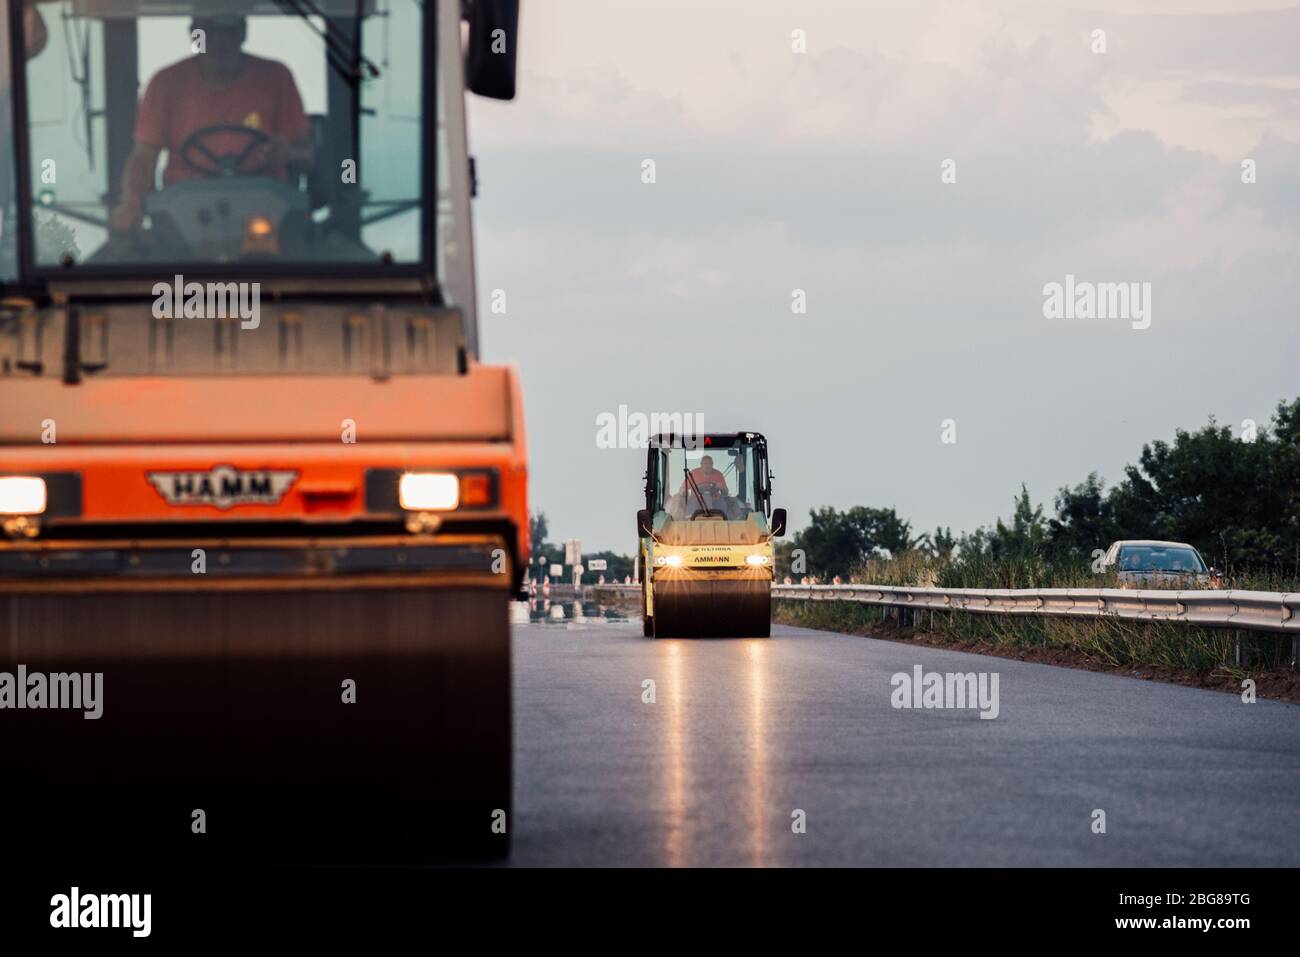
(220, 87)
(713, 493)
(706, 474)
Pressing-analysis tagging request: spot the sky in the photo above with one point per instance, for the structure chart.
(824, 171)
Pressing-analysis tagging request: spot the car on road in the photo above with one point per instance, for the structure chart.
(1155, 564)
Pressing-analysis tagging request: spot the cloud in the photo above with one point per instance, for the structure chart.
(822, 172)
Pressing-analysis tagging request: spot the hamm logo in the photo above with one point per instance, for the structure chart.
(223, 487)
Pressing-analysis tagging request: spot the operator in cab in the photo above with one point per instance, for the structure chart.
(714, 496)
(706, 474)
(222, 87)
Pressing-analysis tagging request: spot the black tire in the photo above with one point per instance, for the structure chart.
(232, 703)
(647, 621)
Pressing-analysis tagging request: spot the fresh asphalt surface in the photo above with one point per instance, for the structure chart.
(743, 732)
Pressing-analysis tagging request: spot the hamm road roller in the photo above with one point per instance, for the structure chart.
(263, 508)
(706, 536)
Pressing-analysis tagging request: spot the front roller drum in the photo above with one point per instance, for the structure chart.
(737, 608)
(347, 725)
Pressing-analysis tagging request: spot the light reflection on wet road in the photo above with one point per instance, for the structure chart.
(744, 732)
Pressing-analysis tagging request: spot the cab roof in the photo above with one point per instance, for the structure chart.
(705, 440)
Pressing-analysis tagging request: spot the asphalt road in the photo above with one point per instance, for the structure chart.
(743, 733)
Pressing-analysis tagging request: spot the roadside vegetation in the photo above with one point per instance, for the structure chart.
(1104, 643)
(1236, 500)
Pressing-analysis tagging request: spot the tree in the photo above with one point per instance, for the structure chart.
(1236, 501)
(1083, 520)
(889, 532)
(942, 543)
(832, 542)
(542, 549)
(1025, 535)
(538, 529)
(835, 542)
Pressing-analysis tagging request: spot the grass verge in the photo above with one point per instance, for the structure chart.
(1197, 657)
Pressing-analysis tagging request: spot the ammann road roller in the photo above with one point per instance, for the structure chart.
(706, 536)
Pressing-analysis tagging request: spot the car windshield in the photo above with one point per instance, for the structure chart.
(708, 483)
(164, 132)
(1148, 558)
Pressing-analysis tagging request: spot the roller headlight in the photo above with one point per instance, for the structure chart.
(22, 495)
(756, 559)
(428, 491)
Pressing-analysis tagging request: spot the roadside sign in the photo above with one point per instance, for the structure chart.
(557, 571)
(572, 551)
(597, 565)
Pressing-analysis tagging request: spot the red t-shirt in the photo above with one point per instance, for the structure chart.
(179, 101)
(715, 478)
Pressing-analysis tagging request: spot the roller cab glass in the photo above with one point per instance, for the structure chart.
(718, 483)
(166, 133)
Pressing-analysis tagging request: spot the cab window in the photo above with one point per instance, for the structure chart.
(267, 137)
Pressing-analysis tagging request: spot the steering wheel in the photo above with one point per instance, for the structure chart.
(712, 495)
(224, 164)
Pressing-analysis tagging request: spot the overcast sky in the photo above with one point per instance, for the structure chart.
(821, 171)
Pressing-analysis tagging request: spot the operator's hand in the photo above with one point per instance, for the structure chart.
(127, 216)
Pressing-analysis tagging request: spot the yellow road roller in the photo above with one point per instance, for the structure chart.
(706, 536)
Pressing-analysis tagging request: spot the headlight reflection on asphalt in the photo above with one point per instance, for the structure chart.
(756, 650)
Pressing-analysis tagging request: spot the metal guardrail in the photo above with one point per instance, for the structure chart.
(1248, 610)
